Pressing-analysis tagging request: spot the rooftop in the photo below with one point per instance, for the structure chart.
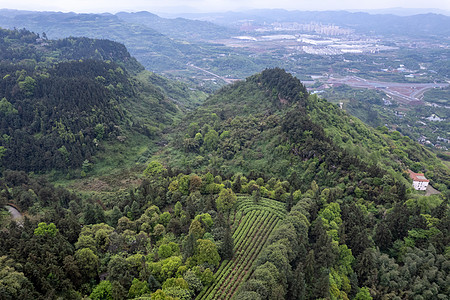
(417, 176)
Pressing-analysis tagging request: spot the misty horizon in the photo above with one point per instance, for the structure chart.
(176, 7)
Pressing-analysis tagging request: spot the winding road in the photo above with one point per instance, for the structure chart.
(227, 80)
(404, 92)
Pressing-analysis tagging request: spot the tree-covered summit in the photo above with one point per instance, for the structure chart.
(62, 100)
(269, 124)
(28, 48)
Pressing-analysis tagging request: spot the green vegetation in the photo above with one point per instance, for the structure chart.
(262, 192)
(64, 102)
(411, 120)
(438, 96)
(252, 224)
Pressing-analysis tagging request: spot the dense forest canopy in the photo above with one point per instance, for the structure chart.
(261, 192)
(60, 99)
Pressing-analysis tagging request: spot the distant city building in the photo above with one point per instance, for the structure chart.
(420, 182)
(434, 118)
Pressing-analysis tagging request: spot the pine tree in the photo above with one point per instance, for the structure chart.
(383, 236)
(237, 184)
(115, 216)
(256, 195)
(227, 249)
(189, 246)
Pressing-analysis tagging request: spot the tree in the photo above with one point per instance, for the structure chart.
(154, 170)
(135, 210)
(249, 295)
(89, 215)
(138, 288)
(160, 295)
(167, 250)
(86, 241)
(206, 253)
(159, 230)
(273, 281)
(118, 291)
(6, 107)
(189, 245)
(115, 216)
(153, 283)
(226, 200)
(99, 131)
(211, 140)
(237, 184)
(363, 294)
(87, 262)
(195, 183)
(46, 229)
(366, 267)
(256, 194)
(227, 247)
(27, 86)
(13, 284)
(194, 282)
(103, 291)
(177, 288)
(2, 153)
(119, 271)
(383, 236)
(169, 266)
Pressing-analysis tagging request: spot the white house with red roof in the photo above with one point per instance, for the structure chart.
(420, 182)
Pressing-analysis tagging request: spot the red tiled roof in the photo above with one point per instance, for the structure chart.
(417, 176)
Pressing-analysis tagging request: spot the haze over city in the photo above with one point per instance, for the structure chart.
(178, 6)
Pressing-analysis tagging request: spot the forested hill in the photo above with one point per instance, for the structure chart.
(26, 47)
(367, 225)
(263, 192)
(60, 100)
(178, 28)
(154, 50)
(268, 125)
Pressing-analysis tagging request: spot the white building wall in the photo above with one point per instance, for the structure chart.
(420, 185)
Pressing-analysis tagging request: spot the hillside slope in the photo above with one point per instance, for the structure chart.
(260, 156)
(252, 224)
(62, 100)
(269, 126)
(155, 51)
(178, 28)
(352, 206)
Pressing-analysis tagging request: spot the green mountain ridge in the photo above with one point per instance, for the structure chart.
(268, 124)
(61, 98)
(178, 28)
(351, 179)
(154, 50)
(261, 191)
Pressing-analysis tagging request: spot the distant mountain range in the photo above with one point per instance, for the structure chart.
(153, 49)
(401, 11)
(418, 25)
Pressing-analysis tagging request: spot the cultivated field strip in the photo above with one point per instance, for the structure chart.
(252, 224)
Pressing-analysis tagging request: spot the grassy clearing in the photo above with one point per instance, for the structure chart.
(116, 166)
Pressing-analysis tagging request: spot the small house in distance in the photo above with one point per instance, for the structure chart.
(420, 182)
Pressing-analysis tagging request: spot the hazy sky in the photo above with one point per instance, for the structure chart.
(178, 6)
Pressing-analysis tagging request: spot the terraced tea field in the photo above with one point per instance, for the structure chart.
(252, 224)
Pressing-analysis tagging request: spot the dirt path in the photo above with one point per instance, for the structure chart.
(431, 191)
(16, 215)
